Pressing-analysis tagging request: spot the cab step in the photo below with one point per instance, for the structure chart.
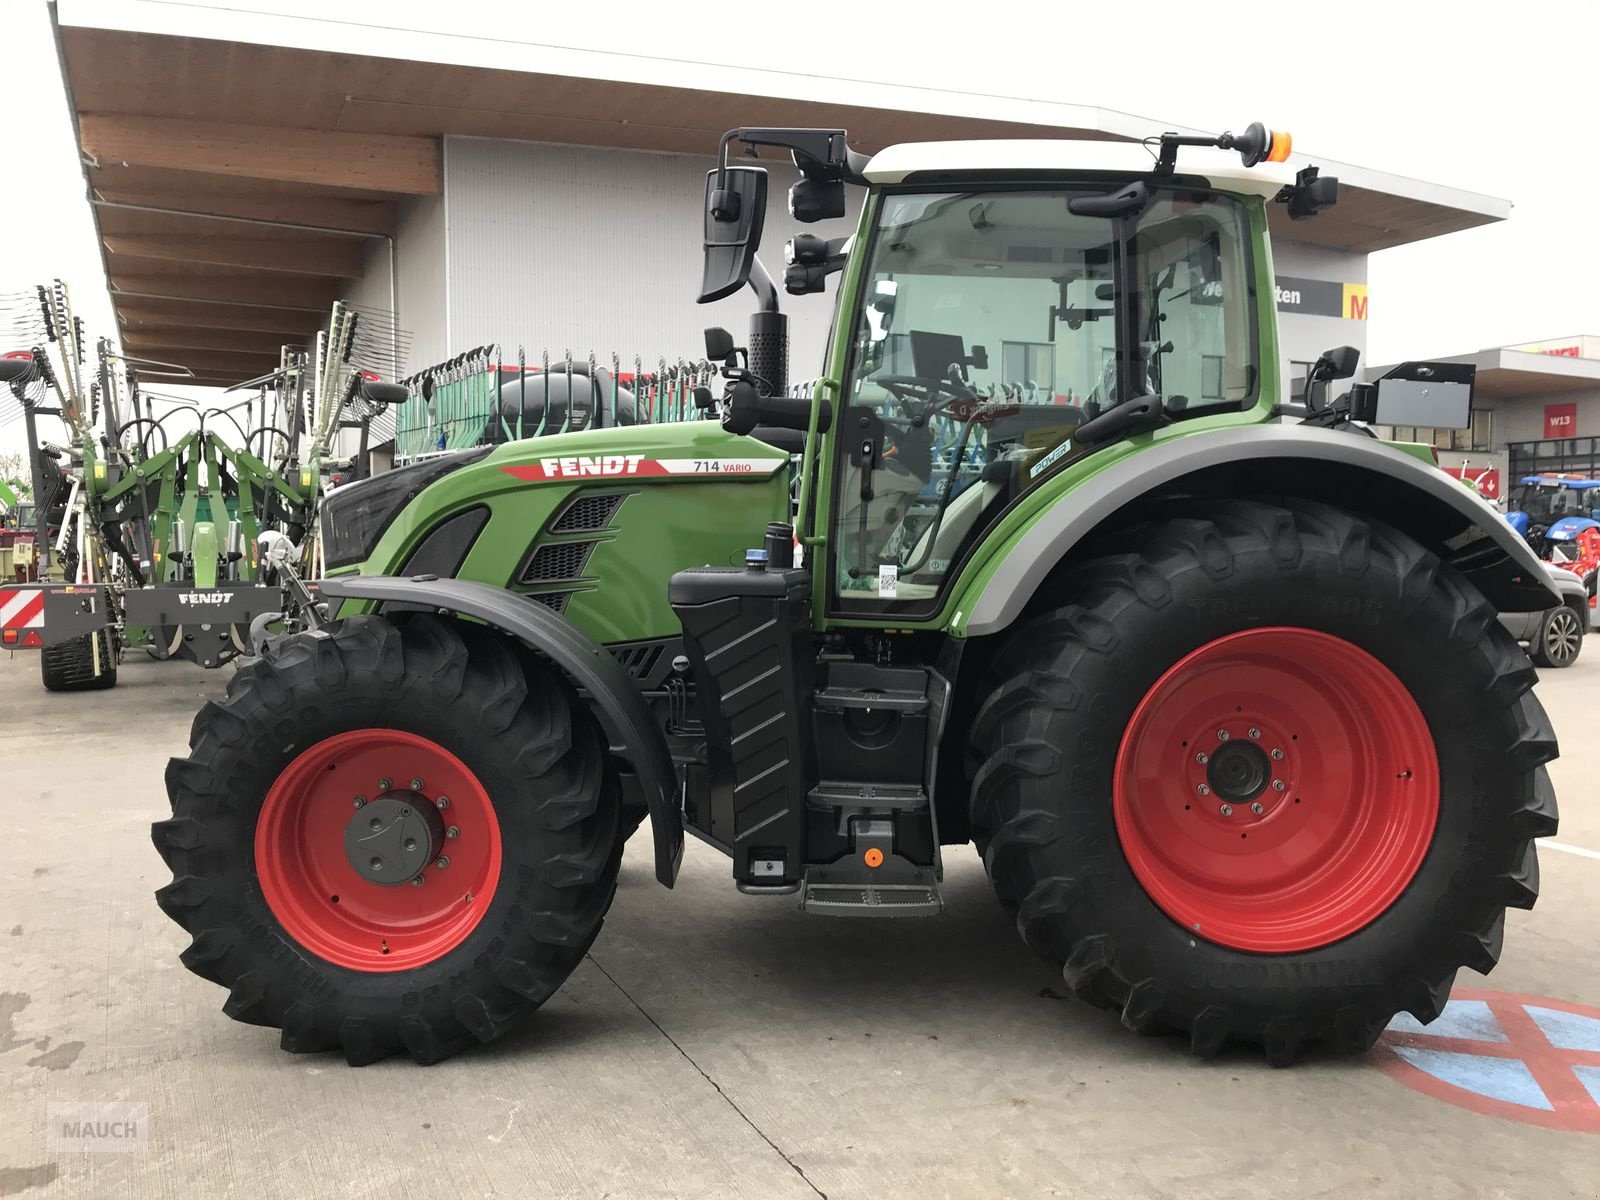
(872, 899)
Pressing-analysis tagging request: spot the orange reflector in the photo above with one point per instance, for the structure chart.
(1282, 145)
(873, 857)
(8, 637)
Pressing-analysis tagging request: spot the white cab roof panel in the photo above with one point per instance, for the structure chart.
(1222, 168)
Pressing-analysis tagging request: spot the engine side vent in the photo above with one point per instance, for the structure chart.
(556, 562)
(638, 660)
(553, 600)
(587, 514)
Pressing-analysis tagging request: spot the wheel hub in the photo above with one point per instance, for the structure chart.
(1238, 772)
(392, 840)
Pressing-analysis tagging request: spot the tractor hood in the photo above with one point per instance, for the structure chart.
(1568, 528)
(698, 449)
(589, 524)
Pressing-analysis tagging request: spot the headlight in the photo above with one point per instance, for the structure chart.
(355, 516)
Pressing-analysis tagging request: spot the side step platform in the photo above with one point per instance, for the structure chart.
(871, 899)
(854, 887)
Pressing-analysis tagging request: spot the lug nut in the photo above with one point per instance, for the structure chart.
(1277, 754)
(417, 882)
(385, 785)
(1227, 810)
(1222, 735)
(416, 785)
(359, 801)
(1204, 789)
(442, 802)
(376, 864)
(441, 862)
(452, 832)
(1254, 732)
(1257, 809)
(1278, 785)
(1202, 758)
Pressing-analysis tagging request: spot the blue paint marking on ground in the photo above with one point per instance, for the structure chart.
(1590, 1078)
(1567, 1031)
(1460, 1019)
(1505, 1079)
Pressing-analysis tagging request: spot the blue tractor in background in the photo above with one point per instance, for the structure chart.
(1552, 511)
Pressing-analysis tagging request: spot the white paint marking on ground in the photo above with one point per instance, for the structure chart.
(511, 1118)
(1580, 851)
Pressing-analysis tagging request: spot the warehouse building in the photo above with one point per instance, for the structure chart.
(246, 170)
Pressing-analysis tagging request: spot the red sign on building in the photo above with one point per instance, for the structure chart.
(1485, 479)
(1561, 420)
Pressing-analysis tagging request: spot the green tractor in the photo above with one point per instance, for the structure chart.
(1214, 685)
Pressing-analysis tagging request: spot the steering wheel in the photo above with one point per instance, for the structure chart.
(925, 392)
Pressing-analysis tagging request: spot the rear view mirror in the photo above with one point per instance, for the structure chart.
(1338, 363)
(734, 214)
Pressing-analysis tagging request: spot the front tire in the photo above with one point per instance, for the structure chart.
(390, 837)
(1358, 845)
(1559, 637)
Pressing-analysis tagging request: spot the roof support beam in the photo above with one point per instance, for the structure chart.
(382, 162)
(158, 341)
(307, 295)
(332, 259)
(164, 316)
(375, 218)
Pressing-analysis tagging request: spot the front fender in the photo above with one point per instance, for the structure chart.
(631, 732)
(1356, 473)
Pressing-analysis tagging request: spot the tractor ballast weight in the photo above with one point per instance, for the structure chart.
(1168, 649)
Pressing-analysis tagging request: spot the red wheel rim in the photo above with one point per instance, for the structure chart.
(1321, 845)
(319, 897)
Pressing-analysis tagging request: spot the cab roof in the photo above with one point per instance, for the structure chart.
(1221, 168)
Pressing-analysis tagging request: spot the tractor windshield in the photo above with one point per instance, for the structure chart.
(992, 324)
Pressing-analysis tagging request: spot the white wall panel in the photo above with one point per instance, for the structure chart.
(572, 247)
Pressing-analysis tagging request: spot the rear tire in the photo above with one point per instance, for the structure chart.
(265, 804)
(69, 666)
(1062, 814)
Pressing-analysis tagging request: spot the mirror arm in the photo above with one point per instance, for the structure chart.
(761, 284)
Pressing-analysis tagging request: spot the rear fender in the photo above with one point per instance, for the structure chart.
(1359, 474)
(634, 738)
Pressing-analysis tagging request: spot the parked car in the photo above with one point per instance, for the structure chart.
(1555, 636)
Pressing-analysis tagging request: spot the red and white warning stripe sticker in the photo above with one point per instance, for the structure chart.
(612, 465)
(21, 615)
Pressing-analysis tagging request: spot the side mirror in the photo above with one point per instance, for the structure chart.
(1309, 194)
(1338, 363)
(880, 309)
(719, 344)
(735, 213)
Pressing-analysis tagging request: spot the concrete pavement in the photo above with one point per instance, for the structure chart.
(712, 1044)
